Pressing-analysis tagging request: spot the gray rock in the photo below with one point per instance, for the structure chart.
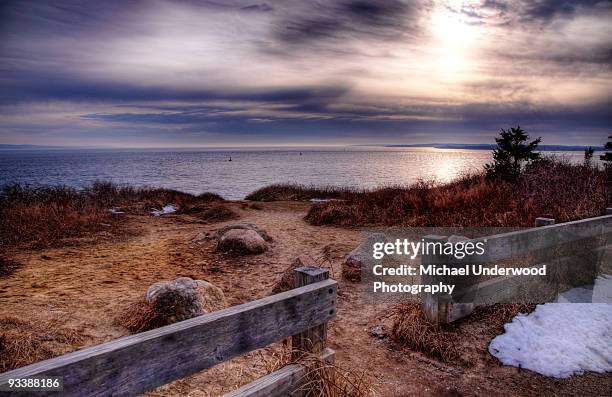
(184, 298)
(378, 331)
(243, 241)
(357, 258)
(244, 226)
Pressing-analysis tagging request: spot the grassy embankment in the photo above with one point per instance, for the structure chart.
(551, 188)
(38, 217)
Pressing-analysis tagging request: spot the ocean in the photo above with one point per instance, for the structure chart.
(198, 171)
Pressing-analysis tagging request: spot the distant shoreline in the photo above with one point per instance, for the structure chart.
(464, 146)
(487, 146)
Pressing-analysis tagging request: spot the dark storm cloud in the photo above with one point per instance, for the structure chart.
(523, 13)
(319, 22)
(546, 10)
(24, 87)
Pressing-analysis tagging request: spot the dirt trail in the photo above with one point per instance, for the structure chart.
(87, 286)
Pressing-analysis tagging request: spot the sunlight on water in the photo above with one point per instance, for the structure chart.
(200, 171)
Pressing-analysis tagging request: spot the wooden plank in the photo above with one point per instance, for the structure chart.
(441, 308)
(511, 289)
(312, 340)
(283, 382)
(131, 365)
(522, 242)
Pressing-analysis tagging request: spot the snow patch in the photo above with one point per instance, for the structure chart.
(167, 209)
(558, 339)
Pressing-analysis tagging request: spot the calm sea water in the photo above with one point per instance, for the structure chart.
(200, 171)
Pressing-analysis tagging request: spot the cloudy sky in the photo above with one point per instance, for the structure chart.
(303, 72)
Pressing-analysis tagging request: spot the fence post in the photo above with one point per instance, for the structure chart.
(314, 339)
(608, 211)
(544, 222)
(431, 304)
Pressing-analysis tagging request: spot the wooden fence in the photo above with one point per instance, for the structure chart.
(445, 308)
(134, 364)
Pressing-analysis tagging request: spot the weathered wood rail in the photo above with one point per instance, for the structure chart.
(445, 308)
(133, 364)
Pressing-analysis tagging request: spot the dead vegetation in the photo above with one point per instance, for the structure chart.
(288, 192)
(411, 329)
(329, 380)
(24, 342)
(549, 187)
(322, 378)
(450, 343)
(38, 217)
(140, 317)
(554, 188)
(217, 213)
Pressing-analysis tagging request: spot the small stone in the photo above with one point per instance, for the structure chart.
(243, 241)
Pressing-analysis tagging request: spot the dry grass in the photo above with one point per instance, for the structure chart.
(411, 328)
(322, 378)
(25, 342)
(329, 380)
(498, 314)
(217, 213)
(452, 343)
(40, 217)
(549, 188)
(287, 192)
(140, 317)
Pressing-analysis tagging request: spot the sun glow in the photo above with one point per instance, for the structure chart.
(453, 42)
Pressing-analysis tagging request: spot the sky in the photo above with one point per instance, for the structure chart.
(302, 72)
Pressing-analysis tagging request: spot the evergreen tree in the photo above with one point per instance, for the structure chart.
(588, 155)
(607, 156)
(512, 152)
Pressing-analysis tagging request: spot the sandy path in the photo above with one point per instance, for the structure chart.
(87, 286)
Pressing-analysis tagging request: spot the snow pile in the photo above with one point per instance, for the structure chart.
(558, 339)
(167, 209)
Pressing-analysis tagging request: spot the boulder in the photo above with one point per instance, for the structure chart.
(184, 298)
(244, 226)
(243, 241)
(356, 259)
(285, 283)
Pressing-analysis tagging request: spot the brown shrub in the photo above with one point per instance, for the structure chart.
(453, 343)
(140, 317)
(45, 216)
(25, 342)
(329, 380)
(411, 328)
(288, 192)
(552, 187)
(218, 213)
